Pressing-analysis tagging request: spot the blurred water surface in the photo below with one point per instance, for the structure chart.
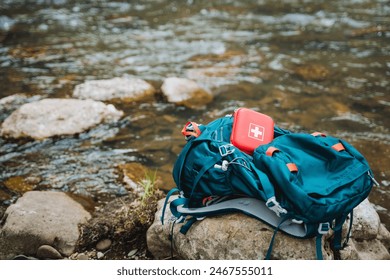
(311, 65)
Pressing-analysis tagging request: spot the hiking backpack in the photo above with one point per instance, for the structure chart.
(302, 184)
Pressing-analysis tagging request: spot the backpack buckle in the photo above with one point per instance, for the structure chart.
(227, 149)
(323, 228)
(275, 206)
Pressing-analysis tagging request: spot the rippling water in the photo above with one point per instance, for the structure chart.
(311, 65)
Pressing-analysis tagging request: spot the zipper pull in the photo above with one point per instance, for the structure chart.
(373, 179)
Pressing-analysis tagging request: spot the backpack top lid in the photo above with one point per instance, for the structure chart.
(251, 129)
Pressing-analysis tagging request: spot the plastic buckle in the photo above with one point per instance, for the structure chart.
(323, 228)
(227, 149)
(275, 206)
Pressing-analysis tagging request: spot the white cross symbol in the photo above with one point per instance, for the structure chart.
(256, 132)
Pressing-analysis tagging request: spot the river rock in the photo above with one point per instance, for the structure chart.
(312, 72)
(238, 236)
(120, 88)
(103, 245)
(366, 222)
(48, 252)
(41, 218)
(185, 92)
(51, 117)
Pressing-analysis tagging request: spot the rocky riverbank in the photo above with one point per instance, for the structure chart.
(50, 224)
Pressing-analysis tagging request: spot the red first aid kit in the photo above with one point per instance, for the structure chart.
(251, 129)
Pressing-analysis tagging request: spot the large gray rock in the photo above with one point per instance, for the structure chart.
(41, 218)
(51, 117)
(237, 236)
(366, 222)
(185, 92)
(124, 89)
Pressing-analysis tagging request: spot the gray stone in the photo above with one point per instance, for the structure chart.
(185, 92)
(232, 236)
(41, 218)
(103, 245)
(48, 252)
(82, 256)
(124, 89)
(371, 250)
(99, 255)
(51, 117)
(237, 236)
(366, 221)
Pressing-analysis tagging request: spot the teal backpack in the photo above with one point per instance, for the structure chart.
(301, 184)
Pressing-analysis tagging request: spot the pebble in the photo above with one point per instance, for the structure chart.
(103, 245)
(82, 257)
(99, 255)
(132, 253)
(48, 252)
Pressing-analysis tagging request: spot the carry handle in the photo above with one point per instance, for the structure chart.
(191, 129)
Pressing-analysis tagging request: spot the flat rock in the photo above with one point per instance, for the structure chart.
(41, 218)
(238, 236)
(119, 88)
(231, 236)
(54, 117)
(185, 92)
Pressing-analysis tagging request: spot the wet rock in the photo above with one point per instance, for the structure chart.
(237, 236)
(12, 102)
(18, 184)
(41, 218)
(185, 92)
(51, 117)
(103, 245)
(133, 174)
(312, 72)
(48, 252)
(123, 89)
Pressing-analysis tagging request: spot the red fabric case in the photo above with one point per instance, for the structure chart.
(251, 129)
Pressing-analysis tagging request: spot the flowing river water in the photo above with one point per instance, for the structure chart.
(311, 65)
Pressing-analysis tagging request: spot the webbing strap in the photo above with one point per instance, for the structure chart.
(207, 165)
(319, 247)
(172, 191)
(337, 244)
(187, 225)
(271, 244)
(268, 188)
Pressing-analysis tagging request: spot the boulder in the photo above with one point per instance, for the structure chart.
(366, 222)
(119, 88)
(185, 92)
(54, 117)
(40, 220)
(238, 236)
